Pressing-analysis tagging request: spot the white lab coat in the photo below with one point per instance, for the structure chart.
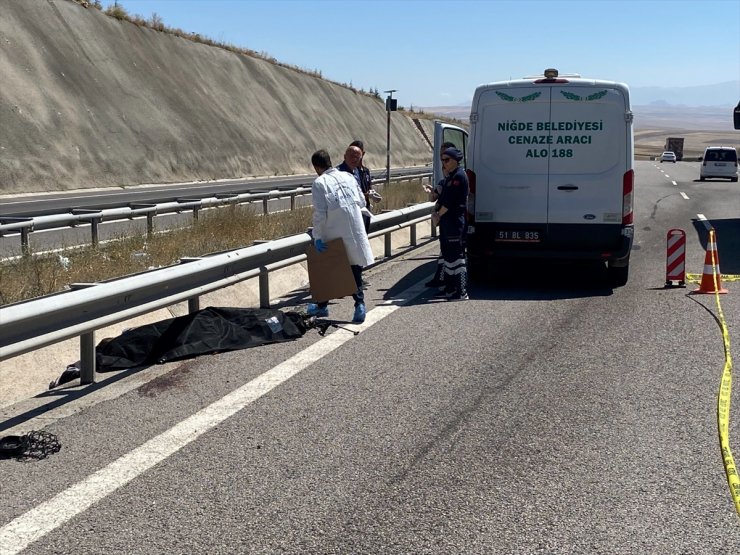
(336, 214)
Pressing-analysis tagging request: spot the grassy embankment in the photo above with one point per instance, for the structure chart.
(215, 231)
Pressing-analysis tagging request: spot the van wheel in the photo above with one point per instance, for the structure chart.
(733, 179)
(618, 275)
(702, 178)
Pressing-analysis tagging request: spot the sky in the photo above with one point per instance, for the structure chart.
(436, 52)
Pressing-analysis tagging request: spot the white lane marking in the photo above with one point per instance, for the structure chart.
(667, 175)
(676, 184)
(684, 195)
(703, 219)
(31, 526)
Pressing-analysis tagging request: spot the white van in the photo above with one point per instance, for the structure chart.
(550, 164)
(719, 161)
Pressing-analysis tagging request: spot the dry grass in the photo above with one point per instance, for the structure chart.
(215, 231)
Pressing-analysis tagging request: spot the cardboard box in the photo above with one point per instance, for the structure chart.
(329, 272)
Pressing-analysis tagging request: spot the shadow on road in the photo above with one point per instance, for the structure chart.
(526, 280)
(727, 235)
(538, 280)
(56, 398)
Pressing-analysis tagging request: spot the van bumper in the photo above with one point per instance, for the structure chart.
(481, 247)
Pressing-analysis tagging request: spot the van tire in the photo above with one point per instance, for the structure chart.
(618, 275)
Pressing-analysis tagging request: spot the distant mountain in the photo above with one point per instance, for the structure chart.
(706, 107)
(719, 94)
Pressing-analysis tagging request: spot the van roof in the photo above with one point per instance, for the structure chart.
(529, 81)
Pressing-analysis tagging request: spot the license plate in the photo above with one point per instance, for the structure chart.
(517, 236)
(720, 164)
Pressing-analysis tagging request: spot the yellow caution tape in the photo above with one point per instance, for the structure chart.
(724, 397)
(696, 278)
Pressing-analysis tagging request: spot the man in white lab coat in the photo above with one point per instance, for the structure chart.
(337, 213)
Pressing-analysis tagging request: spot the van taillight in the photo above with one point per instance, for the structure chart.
(471, 195)
(628, 189)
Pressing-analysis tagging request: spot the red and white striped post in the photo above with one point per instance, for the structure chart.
(675, 266)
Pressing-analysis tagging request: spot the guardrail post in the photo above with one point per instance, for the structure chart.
(292, 202)
(94, 217)
(25, 245)
(264, 282)
(94, 222)
(193, 302)
(151, 211)
(412, 231)
(387, 240)
(149, 225)
(434, 229)
(264, 206)
(87, 358)
(87, 347)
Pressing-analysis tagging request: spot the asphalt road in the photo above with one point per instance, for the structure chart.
(100, 199)
(549, 414)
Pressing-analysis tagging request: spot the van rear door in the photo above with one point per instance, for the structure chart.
(511, 157)
(588, 159)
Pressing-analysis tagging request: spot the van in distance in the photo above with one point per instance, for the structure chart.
(719, 161)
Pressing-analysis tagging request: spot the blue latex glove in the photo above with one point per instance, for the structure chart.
(320, 245)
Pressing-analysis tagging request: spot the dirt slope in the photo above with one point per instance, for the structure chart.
(90, 101)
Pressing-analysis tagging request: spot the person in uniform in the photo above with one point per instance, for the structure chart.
(434, 192)
(450, 216)
(337, 204)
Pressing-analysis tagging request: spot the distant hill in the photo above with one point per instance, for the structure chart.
(90, 101)
(705, 107)
(718, 94)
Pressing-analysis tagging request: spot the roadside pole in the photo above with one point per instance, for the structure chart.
(391, 105)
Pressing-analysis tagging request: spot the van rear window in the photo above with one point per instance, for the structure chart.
(721, 155)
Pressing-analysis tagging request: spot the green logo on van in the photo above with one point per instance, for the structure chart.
(571, 96)
(527, 98)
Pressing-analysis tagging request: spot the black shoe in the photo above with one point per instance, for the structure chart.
(457, 297)
(434, 283)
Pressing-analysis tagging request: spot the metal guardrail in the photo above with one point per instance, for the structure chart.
(25, 226)
(37, 323)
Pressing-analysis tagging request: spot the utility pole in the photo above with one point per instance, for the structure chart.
(391, 105)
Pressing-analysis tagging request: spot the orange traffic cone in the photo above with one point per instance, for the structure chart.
(711, 259)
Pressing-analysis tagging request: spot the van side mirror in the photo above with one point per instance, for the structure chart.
(736, 116)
